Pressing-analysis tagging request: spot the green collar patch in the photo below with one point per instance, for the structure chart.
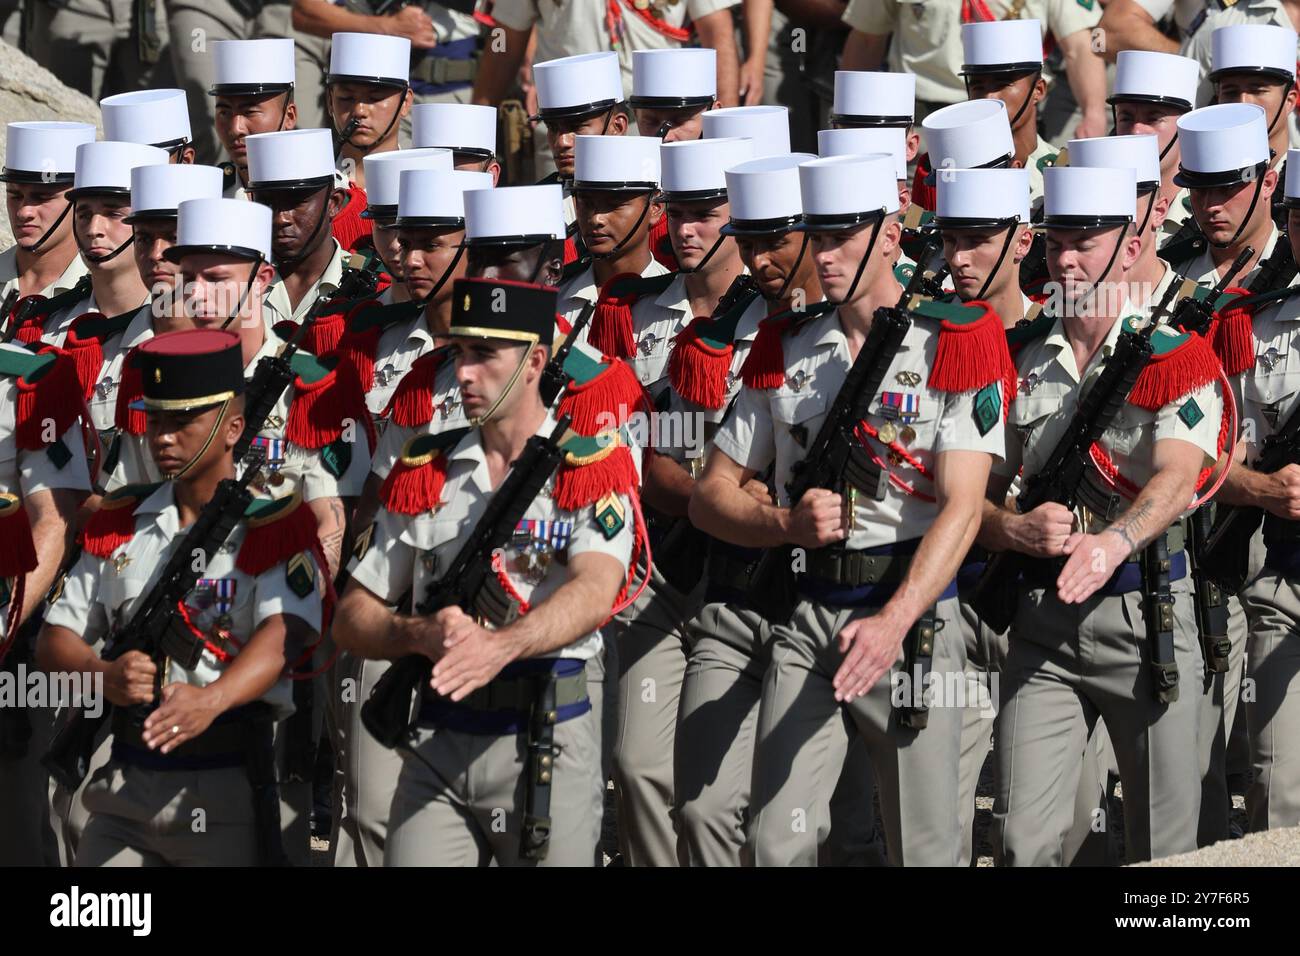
(958, 313)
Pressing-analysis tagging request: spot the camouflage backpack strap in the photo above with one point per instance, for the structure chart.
(415, 484)
(113, 525)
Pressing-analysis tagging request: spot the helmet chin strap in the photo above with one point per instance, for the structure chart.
(510, 385)
(707, 256)
(184, 469)
(1151, 205)
(1006, 247)
(36, 248)
(618, 246)
(1029, 97)
(866, 256)
(345, 137)
(424, 302)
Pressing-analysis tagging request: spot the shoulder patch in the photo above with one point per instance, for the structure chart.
(362, 544)
(300, 574)
(275, 530)
(415, 484)
(1190, 414)
(987, 408)
(610, 515)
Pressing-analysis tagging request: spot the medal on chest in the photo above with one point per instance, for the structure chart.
(535, 542)
(273, 448)
(105, 387)
(217, 594)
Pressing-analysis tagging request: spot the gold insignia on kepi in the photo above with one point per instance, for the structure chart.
(157, 375)
(465, 304)
(300, 574)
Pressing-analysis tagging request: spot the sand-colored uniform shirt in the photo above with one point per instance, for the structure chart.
(778, 425)
(408, 552)
(1051, 385)
(101, 594)
(276, 302)
(927, 34)
(448, 413)
(9, 275)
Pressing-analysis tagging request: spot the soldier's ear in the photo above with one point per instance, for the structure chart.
(408, 99)
(1040, 89)
(187, 156)
(1270, 185)
(338, 199)
(290, 116)
(495, 169)
(913, 143)
(617, 123)
(655, 214)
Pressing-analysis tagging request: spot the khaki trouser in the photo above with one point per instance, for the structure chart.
(1272, 603)
(1067, 667)
(69, 809)
(651, 637)
(802, 744)
(296, 794)
(1219, 695)
(714, 750)
(312, 58)
(141, 817)
(28, 834)
(90, 45)
(986, 653)
(460, 799)
(370, 772)
(195, 26)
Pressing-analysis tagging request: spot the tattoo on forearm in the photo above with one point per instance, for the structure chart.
(1130, 526)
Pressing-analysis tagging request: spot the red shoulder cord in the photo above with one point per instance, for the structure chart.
(614, 20)
(865, 428)
(1109, 471)
(224, 656)
(641, 542)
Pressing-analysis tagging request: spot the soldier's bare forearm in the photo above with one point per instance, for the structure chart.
(331, 527)
(864, 51)
(816, 14)
(1157, 506)
(717, 30)
(666, 486)
(721, 507)
(61, 651)
(577, 608)
(497, 68)
(277, 642)
(1086, 72)
(960, 486)
(1126, 26)
(52, 515)
(365, 627)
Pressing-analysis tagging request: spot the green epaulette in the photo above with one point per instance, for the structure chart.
(1182, 248)
(103, 327)
(719, 331)
(24, 364)
(130, 493)
(1047, 162)
(308, 367)
(383, 316)
(1026, 332)
(642, 286)
(1164, 338)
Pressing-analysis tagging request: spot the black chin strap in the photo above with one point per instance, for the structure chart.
(618, 246)
(1029, 97)
(1006, 247)
(345, 137)
(1245, 220)
(794, 269)
(284, 111)
(1155, 193)
(1091, 291)
(460, 251)
(866, 257)
(67, 208)
(309, 246)
(248, 287)
(97, 260)
(707, 256)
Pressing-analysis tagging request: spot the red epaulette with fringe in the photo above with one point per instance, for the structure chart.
(595, 466)
(700, 360)
(415, 484)
(1180, 364)
(923, 195)
(412, 403)
(349, 227)
(85, 343)
(661, 247)
(1232, 333)
(972, 349)
(611, 328)
(764, 366)
(50, 392)
(129, 391)
(602, 393)
(18, 556)
(113, 525)
(365, 324)
(326, 394)
(277, 529)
